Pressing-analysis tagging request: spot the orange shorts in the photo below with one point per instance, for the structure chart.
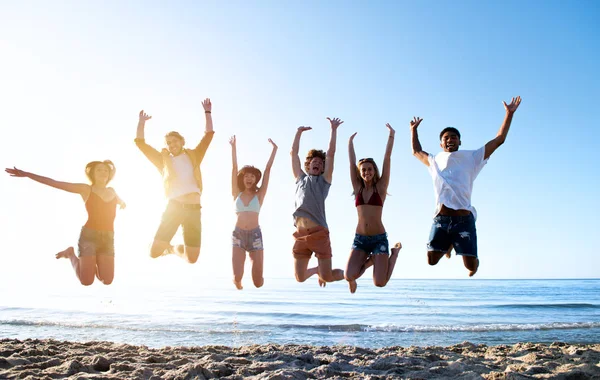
(309, 240)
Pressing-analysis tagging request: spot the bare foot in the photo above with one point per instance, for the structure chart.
(352, 285)
(471, 273)
(397, 247)
(66, 254)
(238, 284)
(322, 283)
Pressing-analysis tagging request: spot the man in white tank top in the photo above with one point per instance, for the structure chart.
(453, 173)
(180, 169)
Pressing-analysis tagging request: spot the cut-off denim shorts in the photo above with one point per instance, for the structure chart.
(96, 243)
(372, 245)
(248, 240)
(456, 231)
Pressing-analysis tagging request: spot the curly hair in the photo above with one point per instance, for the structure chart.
(251, 170)
(449, 129)
(89, 169)
(312, 154)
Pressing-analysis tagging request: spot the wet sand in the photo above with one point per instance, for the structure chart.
(51, 359)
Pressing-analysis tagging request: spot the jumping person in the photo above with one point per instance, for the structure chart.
(371, 245)
(180, 169)
(96, 240)
(453, 174)
(248, 197)
(312, 187)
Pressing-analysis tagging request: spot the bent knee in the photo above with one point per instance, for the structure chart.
(380, 284)
(301, 278)
(259, 283)
(106, 281)
(86, 281)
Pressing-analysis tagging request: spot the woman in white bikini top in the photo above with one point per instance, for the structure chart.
(248, 198)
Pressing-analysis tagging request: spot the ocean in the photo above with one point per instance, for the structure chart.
(404, 313)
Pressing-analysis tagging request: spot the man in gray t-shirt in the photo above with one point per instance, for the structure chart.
(312, 188)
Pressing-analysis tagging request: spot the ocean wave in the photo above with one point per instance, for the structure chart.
(450, 328)
(227, 329)
(548, 306)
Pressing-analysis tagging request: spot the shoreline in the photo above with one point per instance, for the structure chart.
(51, 359)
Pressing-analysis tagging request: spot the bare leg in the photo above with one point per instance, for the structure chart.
(392, 260)
(190, 254)
(449, 253)
(161, 248)
(105, 268)
(433, 257)
(301, 269)
(358, 262)
(327, 274)
(256, 258)
(238, 259)
(84, 267)
(472, 264)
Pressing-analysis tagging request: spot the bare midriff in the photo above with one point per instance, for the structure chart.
(247, 220)
(446, 211)
(302, 222)
(369, 220)
(189, 198)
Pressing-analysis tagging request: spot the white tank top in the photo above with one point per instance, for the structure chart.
(183, 182)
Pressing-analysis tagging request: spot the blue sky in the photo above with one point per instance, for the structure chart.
(75, 75)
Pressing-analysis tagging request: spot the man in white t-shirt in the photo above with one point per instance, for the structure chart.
(453, 174)
(182, 180)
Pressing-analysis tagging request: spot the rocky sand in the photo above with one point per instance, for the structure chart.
(51, 359)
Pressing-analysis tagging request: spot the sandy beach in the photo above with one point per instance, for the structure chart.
(51, 359)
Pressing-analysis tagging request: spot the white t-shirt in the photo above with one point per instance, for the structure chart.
(453, 175)
(184, 181)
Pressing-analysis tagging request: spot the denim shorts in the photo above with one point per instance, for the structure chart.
(180, 214)
(248, 240)
(372, 245)
(96, 243)
(456, 231)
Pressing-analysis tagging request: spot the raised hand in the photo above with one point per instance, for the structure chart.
(232, 141)
(144, 116)
(352, 137)
(303, 128)
(514, 104)
(14, 172)
(335, 122)
(414, 123)
(389, 127)
(207, 105)
(272, 143)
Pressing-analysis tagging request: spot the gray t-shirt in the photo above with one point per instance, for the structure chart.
(311, 191)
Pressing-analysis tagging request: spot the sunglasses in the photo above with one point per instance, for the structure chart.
(365, 159)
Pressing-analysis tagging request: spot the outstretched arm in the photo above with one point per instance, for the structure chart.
(234, 168)
(353, 171)
(78, 188)
(201, 148)
(329, 161)
(267, 173)
(493, 144)
(296, 166)
(152, 154)
(416, 144)
(387, 159)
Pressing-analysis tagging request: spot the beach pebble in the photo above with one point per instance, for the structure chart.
(100, 363)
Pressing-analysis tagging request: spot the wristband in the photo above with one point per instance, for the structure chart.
(207, 112)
